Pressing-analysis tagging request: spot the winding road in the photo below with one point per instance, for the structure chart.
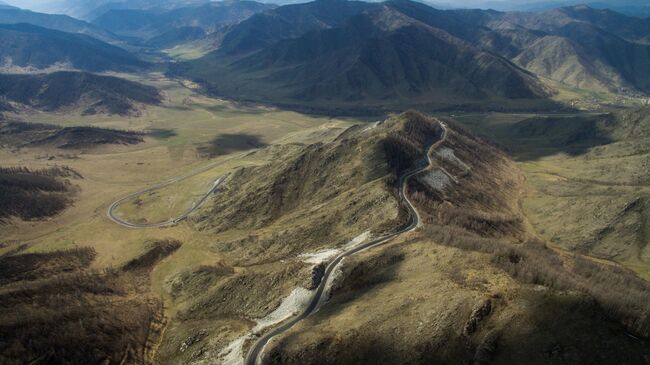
(172, 222)
(254, 354)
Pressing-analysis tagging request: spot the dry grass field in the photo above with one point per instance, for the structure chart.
(587, 179)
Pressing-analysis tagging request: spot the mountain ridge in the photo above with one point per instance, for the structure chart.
(358, 53)
(27, 45)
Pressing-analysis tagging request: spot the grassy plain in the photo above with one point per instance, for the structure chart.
(180, 129)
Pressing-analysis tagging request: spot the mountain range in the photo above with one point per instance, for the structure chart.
(355, 54)
(637, 8)
(64, 23)
(348, 52)
(197, 20)
(29, 46)
(404, 52)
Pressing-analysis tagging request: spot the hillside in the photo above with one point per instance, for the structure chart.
(339, 52)
(35, 194)
(32, 47)
(108, 316)
(584, 48)
(20, 134)
(475, 281)
(472, 278)
(77, 90)
(587, 180)
(613, 186)
(628, 27)
(58, 22)
(567, 61)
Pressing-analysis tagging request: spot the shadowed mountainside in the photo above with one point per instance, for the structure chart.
(35, 194)
(29, 46)
(66, 90)
(156, 25)
(350, 53)
(98, 317)
(20, 134)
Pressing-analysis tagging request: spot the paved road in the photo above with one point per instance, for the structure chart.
(253, 356)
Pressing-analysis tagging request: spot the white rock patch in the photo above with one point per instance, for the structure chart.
(436, 179)
(319, 256)
(326, 255)
(291, 305)
(356, 241)
(373, 126)
(233, 354)
(448, 154)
